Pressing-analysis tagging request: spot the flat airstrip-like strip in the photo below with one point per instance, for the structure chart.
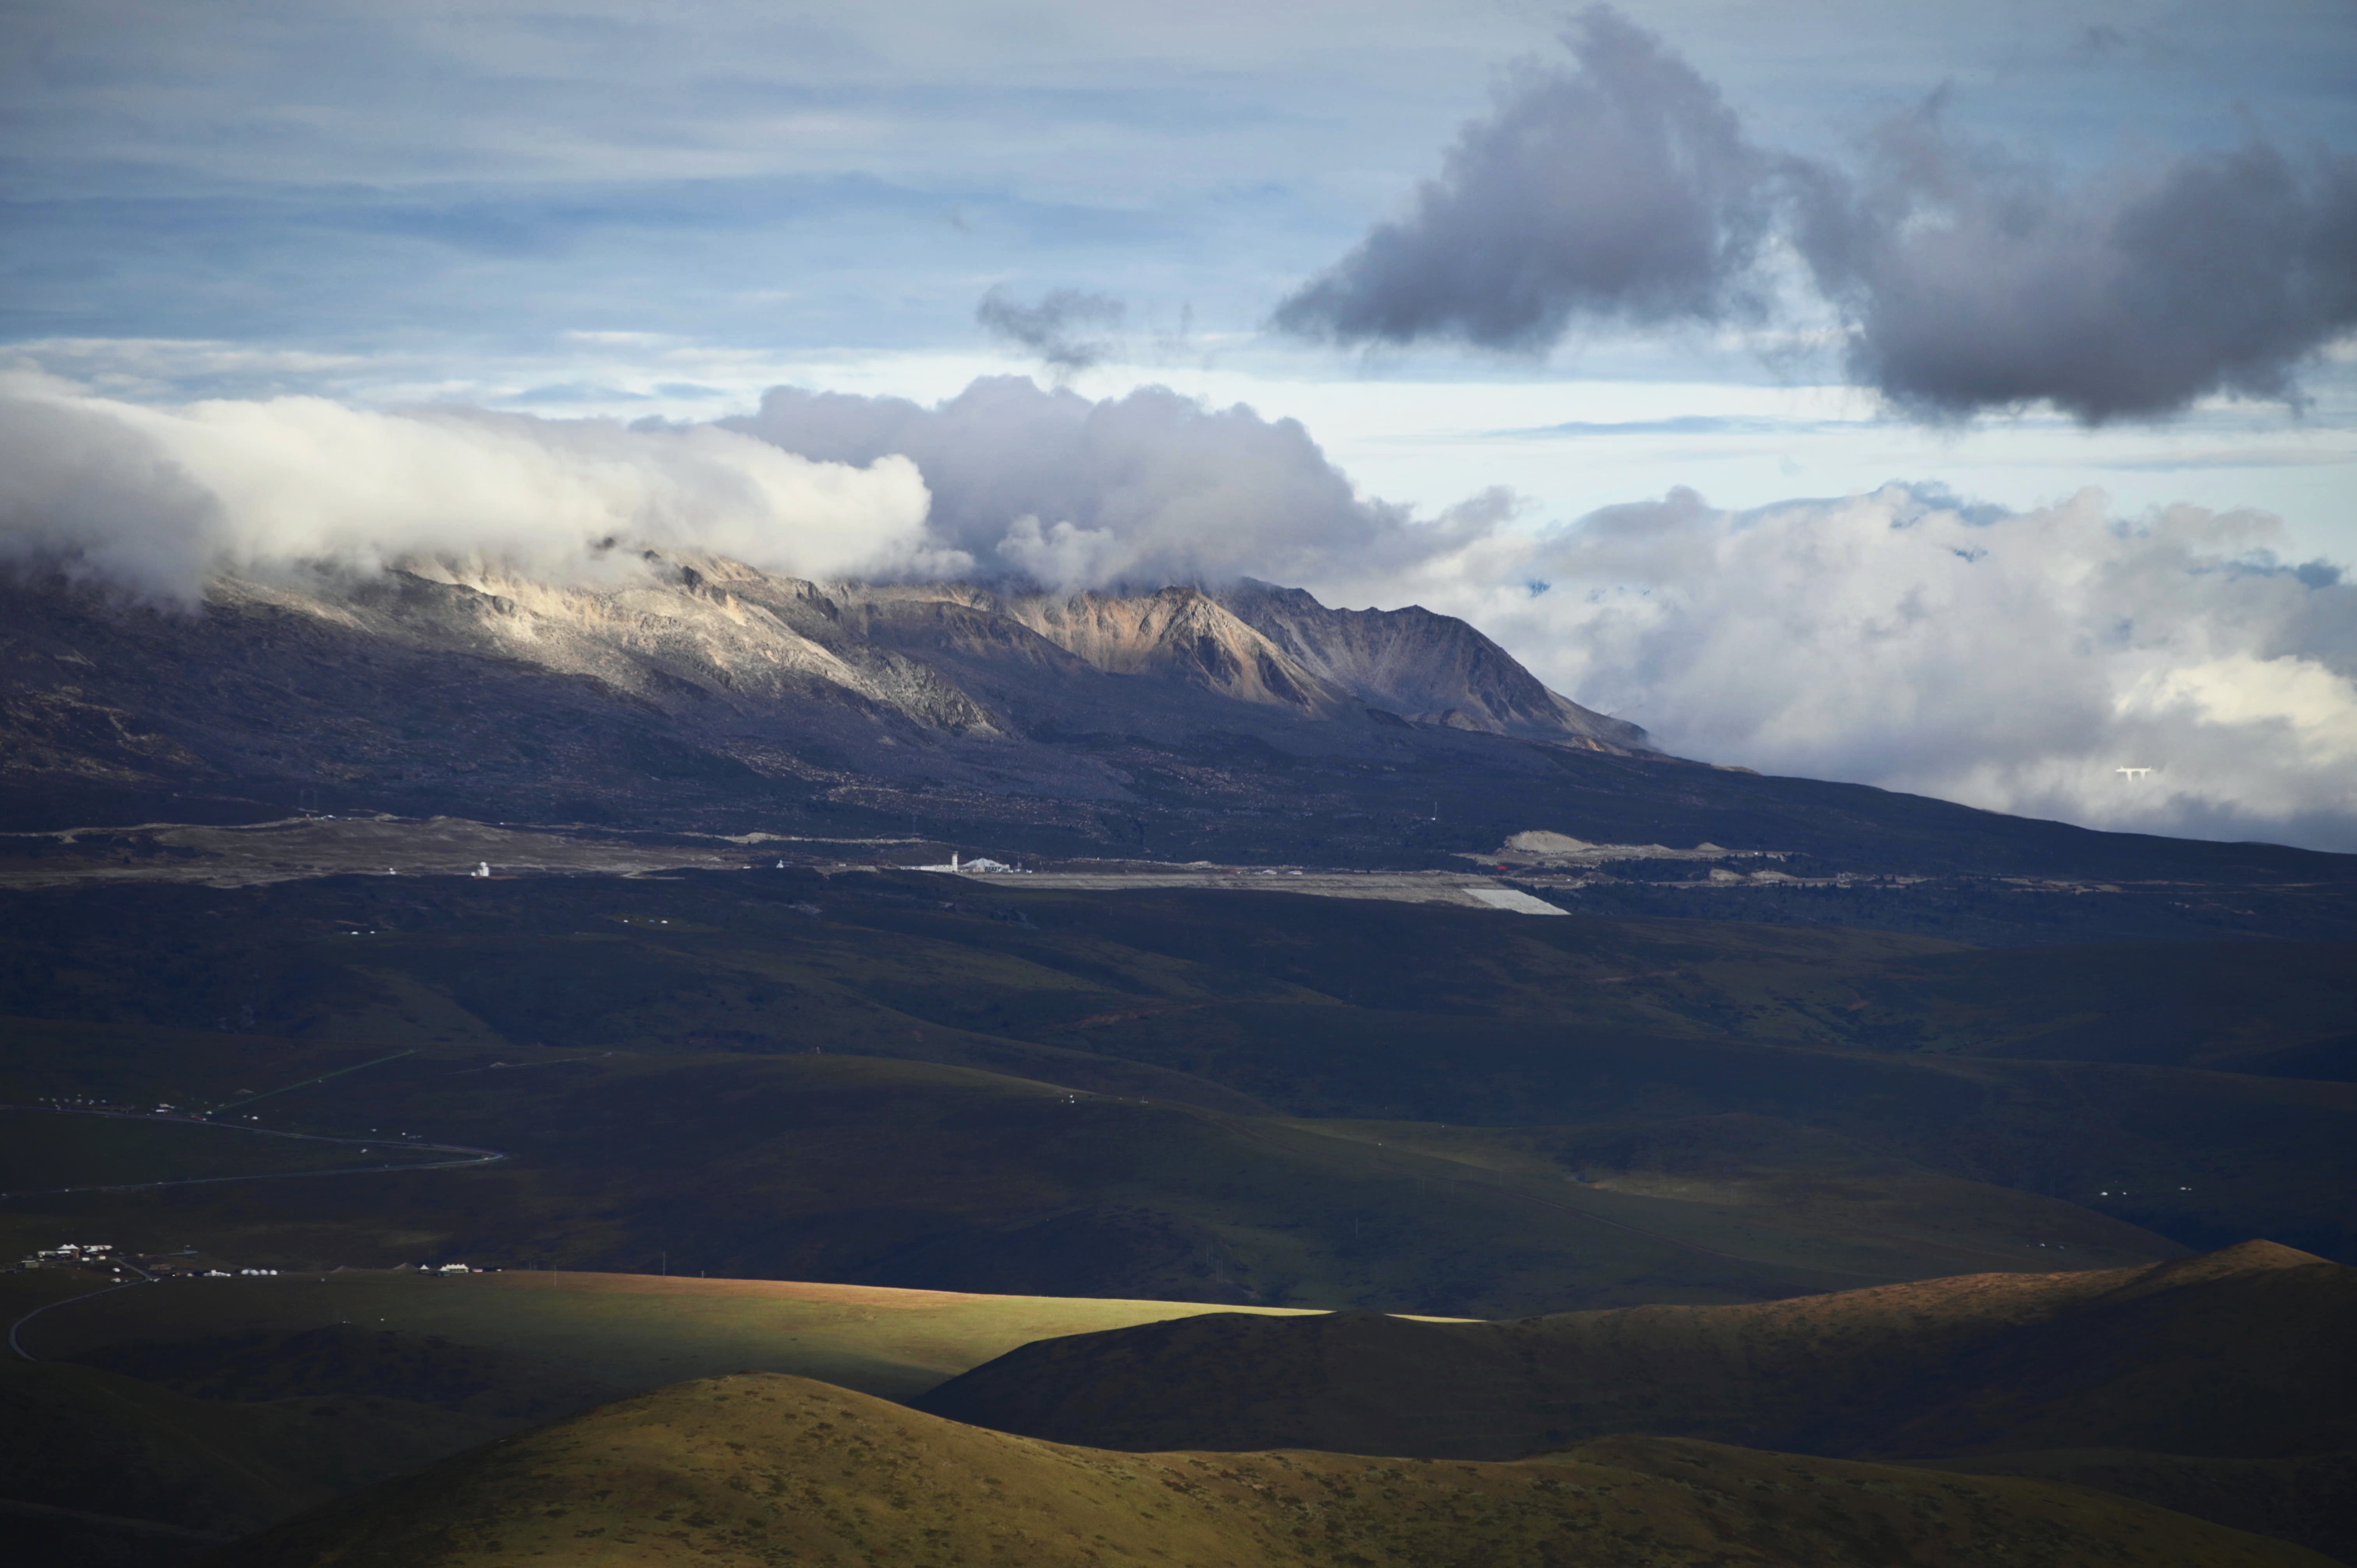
(1462, 889)
(302, 847)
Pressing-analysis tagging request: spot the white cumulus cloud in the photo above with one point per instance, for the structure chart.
(153, 499)
(2014, 661)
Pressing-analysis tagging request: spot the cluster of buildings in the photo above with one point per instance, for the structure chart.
(73, 1255)
(103, 1256)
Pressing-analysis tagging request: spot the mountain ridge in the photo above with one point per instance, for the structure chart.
(726, 671)
(1251, 723)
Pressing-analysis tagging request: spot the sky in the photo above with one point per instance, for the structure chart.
(1962, 399)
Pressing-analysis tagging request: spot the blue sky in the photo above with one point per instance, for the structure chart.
(634, 208)
(631, 209)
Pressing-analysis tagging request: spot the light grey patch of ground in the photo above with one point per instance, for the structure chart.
(300, 847)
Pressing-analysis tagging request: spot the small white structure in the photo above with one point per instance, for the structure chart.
(980, 864)
(2132, 774)
(482, 869)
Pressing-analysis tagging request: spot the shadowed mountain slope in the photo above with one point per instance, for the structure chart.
(763, 1469)
(2224, 1384)
(2247, 1353)
(161, 1419)
(233, 1447)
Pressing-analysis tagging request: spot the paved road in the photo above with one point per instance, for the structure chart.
(19, 1346)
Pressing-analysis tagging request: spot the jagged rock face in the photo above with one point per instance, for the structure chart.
(1180, 632)
(749, 640)
(716, 626)
(1280, 646)
(1432, 668)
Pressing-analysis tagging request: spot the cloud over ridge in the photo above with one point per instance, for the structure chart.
(1149, 487)
(1622, 187)
(155, 500)
(2011, 659)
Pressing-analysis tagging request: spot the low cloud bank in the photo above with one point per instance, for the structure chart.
(155, 500)
(2007, 659)
(2014, 660)
(1621, 187)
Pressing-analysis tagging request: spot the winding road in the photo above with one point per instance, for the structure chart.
(469, 1157)
(472, 1156)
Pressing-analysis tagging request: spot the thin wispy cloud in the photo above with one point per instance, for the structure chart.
(1069, 330)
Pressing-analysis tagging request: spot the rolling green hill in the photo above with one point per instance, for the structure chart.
(2247, 1355)
(164, 1417)
(767, 1469)
(517, 1345)
(2249, 1352)
(888, 1080)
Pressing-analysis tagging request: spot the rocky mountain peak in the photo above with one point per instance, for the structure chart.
(707, 665)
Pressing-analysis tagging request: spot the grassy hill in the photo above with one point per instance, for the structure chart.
(221, 1406)
(166, 1416)
(514, 1338)
(768, 1469)
(891, 1082)
(2247, 1355)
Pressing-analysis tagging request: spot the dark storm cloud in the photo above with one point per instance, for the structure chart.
(1972, 283)
(1057, 328)
(1623, 188)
